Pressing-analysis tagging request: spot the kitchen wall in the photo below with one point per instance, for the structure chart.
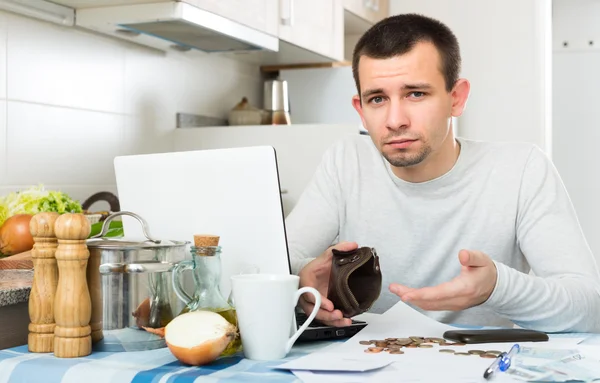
(576, 80)
(71, 100)
(506, 51)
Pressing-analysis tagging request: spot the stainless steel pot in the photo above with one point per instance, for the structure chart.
(134, 290)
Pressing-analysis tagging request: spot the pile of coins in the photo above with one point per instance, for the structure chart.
(394, 346)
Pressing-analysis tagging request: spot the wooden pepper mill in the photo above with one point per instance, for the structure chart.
(72, 305)
(45, 280)
(94, 282)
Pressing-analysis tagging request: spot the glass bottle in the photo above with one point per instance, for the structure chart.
(206, 267)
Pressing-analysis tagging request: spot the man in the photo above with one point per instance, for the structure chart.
(457, 224)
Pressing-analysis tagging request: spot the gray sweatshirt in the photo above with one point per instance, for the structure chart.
(505, 199)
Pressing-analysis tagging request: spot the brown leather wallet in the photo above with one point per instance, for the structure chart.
(354, 280)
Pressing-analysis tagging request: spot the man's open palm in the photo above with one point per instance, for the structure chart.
(471, 287)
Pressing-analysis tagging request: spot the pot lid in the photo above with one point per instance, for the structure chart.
(121, 244)
(99, 241)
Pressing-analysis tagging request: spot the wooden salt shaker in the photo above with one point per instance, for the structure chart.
(45, 280)
(72, 305)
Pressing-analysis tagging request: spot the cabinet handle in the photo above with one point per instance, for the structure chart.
(287, 12)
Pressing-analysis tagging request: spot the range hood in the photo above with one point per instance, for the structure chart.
(177, 25)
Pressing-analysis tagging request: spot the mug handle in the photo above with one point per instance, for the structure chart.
(310, 318)
(176, 280)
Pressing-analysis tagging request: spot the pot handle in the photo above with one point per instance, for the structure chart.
(106, 225)
(176, 279)
(150, 267)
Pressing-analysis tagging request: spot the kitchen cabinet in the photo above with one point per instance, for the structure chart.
(371, 11)
(316, 25)
(258, 14)
(264, 32)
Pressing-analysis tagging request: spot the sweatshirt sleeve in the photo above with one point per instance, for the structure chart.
(313, 224)
(564, 294)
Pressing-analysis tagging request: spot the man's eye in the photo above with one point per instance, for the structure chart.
(376, 100)
(417, 94)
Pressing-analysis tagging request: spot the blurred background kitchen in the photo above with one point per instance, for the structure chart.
(84, 81)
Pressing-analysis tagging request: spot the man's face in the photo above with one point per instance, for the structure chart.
(405, 105)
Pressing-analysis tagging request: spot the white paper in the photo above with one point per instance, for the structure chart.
(334, 362)
(416, 364)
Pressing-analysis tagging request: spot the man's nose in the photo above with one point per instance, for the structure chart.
(397, 116)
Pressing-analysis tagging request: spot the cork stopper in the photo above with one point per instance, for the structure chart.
(206, 240)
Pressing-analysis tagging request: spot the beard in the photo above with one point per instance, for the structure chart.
(405, 159)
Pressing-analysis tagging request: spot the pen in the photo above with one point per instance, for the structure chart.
(502, 362)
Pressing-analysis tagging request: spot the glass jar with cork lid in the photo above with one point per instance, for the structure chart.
(206, 268)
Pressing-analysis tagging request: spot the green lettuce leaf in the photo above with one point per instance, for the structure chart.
(115, 229)
(34, 200)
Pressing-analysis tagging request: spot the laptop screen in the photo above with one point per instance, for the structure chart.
(233, 193)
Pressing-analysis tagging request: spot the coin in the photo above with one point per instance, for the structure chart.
(425, 345)
(411, 346)
(456, 344)
(487, 355)
(391, 339)
(365, 342)
(403, 341)
(396, 352)
(447, 351)
(380, 344)
(462, 353)
(476, 352)
(374, 350)
(437, 340)
(494, 352)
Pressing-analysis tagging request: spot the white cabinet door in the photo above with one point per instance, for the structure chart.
(371, 11)
(316, 25)
(258, 14)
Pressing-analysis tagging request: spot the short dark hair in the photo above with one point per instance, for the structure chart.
(397, 35)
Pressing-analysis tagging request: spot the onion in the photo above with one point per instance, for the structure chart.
(15, 236)
(199, 337)
(142, 313)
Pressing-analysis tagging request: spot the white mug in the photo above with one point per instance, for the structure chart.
(265, 304)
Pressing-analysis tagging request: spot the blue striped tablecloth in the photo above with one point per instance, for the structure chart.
(156, 366)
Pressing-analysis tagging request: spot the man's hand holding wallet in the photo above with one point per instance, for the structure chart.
(349, 280)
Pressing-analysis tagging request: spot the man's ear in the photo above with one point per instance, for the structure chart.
(460, 95)
(356, 103)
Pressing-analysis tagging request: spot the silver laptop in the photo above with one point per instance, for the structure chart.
(233, 193)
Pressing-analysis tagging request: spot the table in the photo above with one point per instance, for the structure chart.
(160, 366)
(154, 366)
(18, 365)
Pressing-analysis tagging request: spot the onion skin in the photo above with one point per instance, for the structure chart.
(15, 235)
(156, 331)
(204, 353)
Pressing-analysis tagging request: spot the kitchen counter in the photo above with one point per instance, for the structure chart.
(15, 286)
